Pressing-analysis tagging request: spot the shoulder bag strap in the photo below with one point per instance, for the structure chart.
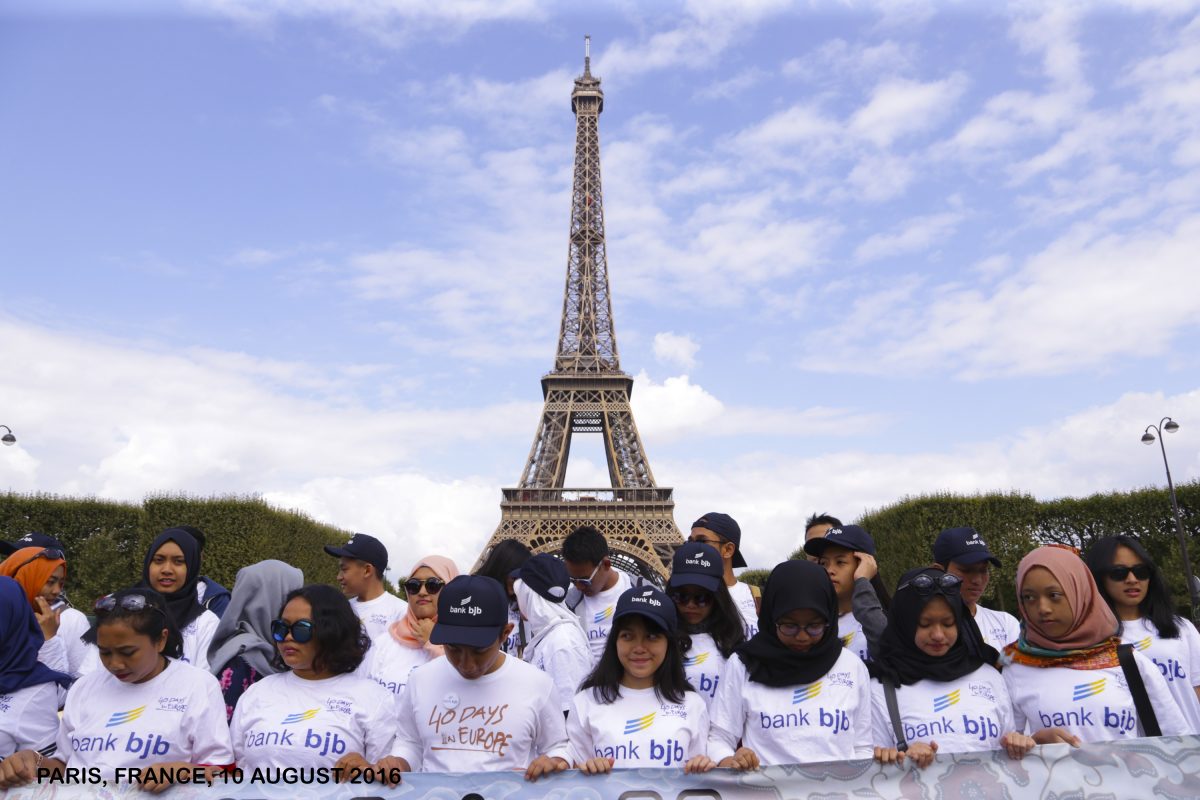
(1137, 688)
(889, 693)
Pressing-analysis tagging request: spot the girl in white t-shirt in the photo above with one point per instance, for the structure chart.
(42, 574)
(707, 614)
(1065, 677)
(146, 709)
(317, 712)
(559, 648)
(793, 693)
(949, 696)
(636, 709)
(1136, 591)
(172, 568)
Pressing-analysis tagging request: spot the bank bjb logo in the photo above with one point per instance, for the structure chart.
(1144, 644)
(696, 660)
(847, 639)
(806, 693)
(638, 724)
(1089, 689)
(464, 607)
(303, 716)
(600, 616)
(945, 701)
(121, 717)
(698, 560)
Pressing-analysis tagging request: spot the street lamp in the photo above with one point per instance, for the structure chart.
(1170, 426)
(8, 438)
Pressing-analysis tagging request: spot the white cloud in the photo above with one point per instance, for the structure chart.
(671, 348)
(839, 59)
(912, 235)
(732, 87)
(900, 107)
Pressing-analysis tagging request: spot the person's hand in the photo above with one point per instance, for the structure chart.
(867, 566)
(1056, 735)
(422, 628)
(889, 755)
(744, 759)
(351, 761)
(157, 777)
(46, 618)
(922, 754)
(697, 764)
(1017, 744)
(596, 766)
(545, 765)
(18, 769)
(388, 766)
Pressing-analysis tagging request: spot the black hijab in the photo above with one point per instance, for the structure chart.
(793, 585)
(902, 663)
(183, 603)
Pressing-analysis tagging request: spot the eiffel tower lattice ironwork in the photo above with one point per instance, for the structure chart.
(587, 393)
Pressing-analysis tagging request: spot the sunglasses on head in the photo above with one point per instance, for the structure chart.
(432, 585)
(301, 630)
(926, 584)
(52, 553)
(1141, 572)
(698, 599)
(130, 602)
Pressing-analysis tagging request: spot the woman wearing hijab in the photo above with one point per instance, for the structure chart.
(242, 651)
(41, 573)
(405, 645)
(559, 646)
(28, 688)
(172, 568)
(949, 696)
(793, 693)
(1065, 678)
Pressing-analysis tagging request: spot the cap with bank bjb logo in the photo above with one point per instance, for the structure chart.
(963, 545)
(472, 611)
(697, 564)
(650, 603)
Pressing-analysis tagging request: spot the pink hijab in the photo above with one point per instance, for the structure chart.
(402, 629)
(1094, 621)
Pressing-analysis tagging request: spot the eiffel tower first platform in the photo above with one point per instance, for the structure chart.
(587, 392)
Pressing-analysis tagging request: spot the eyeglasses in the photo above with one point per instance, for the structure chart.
(789, 629)
(584, 583)
(130, 602)
(52, 553)
(301, 630)
(432, 585)
(700, 600)
(716, 541)
(1141, 572)
(926, 585)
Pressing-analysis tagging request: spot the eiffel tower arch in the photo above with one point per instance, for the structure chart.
(587, 392)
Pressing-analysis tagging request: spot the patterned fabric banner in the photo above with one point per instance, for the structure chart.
(1141, 768)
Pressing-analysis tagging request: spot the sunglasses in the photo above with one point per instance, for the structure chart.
(715, 541)
(925, 585)
(130, 602)
(789, 629)
(701, 600)
(301, 630)
(1141, 572)
(52, 553)
(432, 585)
(584, 583)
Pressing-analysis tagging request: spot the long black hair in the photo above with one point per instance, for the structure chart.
(724, 624)
(670, 681)
(342, 643)
(1156, 606)
(503, 558)
(150, 620)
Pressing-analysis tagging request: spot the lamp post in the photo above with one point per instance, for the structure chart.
(8, 439)
(1170, 426)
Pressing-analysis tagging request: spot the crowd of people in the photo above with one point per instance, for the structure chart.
(543, 663)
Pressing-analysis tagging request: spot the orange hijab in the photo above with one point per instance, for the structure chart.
(32, 575)
(402, 629)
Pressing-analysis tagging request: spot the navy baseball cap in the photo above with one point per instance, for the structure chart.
(472, 611)
(650, 603)
(850, 537)
(727, 528)
(963, 545)
(545, 575)
(31, 539)
(364, 548)
(697, 564)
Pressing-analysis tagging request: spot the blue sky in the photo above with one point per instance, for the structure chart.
(315, 250)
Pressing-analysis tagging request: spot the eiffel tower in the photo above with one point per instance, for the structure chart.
(587, 392)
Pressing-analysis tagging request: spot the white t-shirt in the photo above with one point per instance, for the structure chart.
(704, 666)
(1177, 659)
(512, 642)
(962, 716)
(197, 636)
(29, 719)
(65, 651)
(638, 729)
(286, 721)
(565, 656)
(743, 598)
(1093, 704)
(178, 715)
(389, 663)
(999, 628)
(496, 722)
(851, 633)
(826, 720)
(596, 614)
(376, 615)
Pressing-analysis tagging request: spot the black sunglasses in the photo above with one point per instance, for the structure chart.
(689, 599)
(301, 630)
(432, 585)
(52, 553)
(926, 585)
(130, 602)
(1141, 572)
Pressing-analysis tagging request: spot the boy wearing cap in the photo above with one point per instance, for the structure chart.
(722, 532)
(559, 646)
(962, 552)
(477, 709)
(841, 551)
(597, 584)
(361, 564)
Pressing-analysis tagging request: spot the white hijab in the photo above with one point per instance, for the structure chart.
(542, 615)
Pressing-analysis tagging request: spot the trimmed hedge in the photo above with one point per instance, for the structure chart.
(106, 541)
